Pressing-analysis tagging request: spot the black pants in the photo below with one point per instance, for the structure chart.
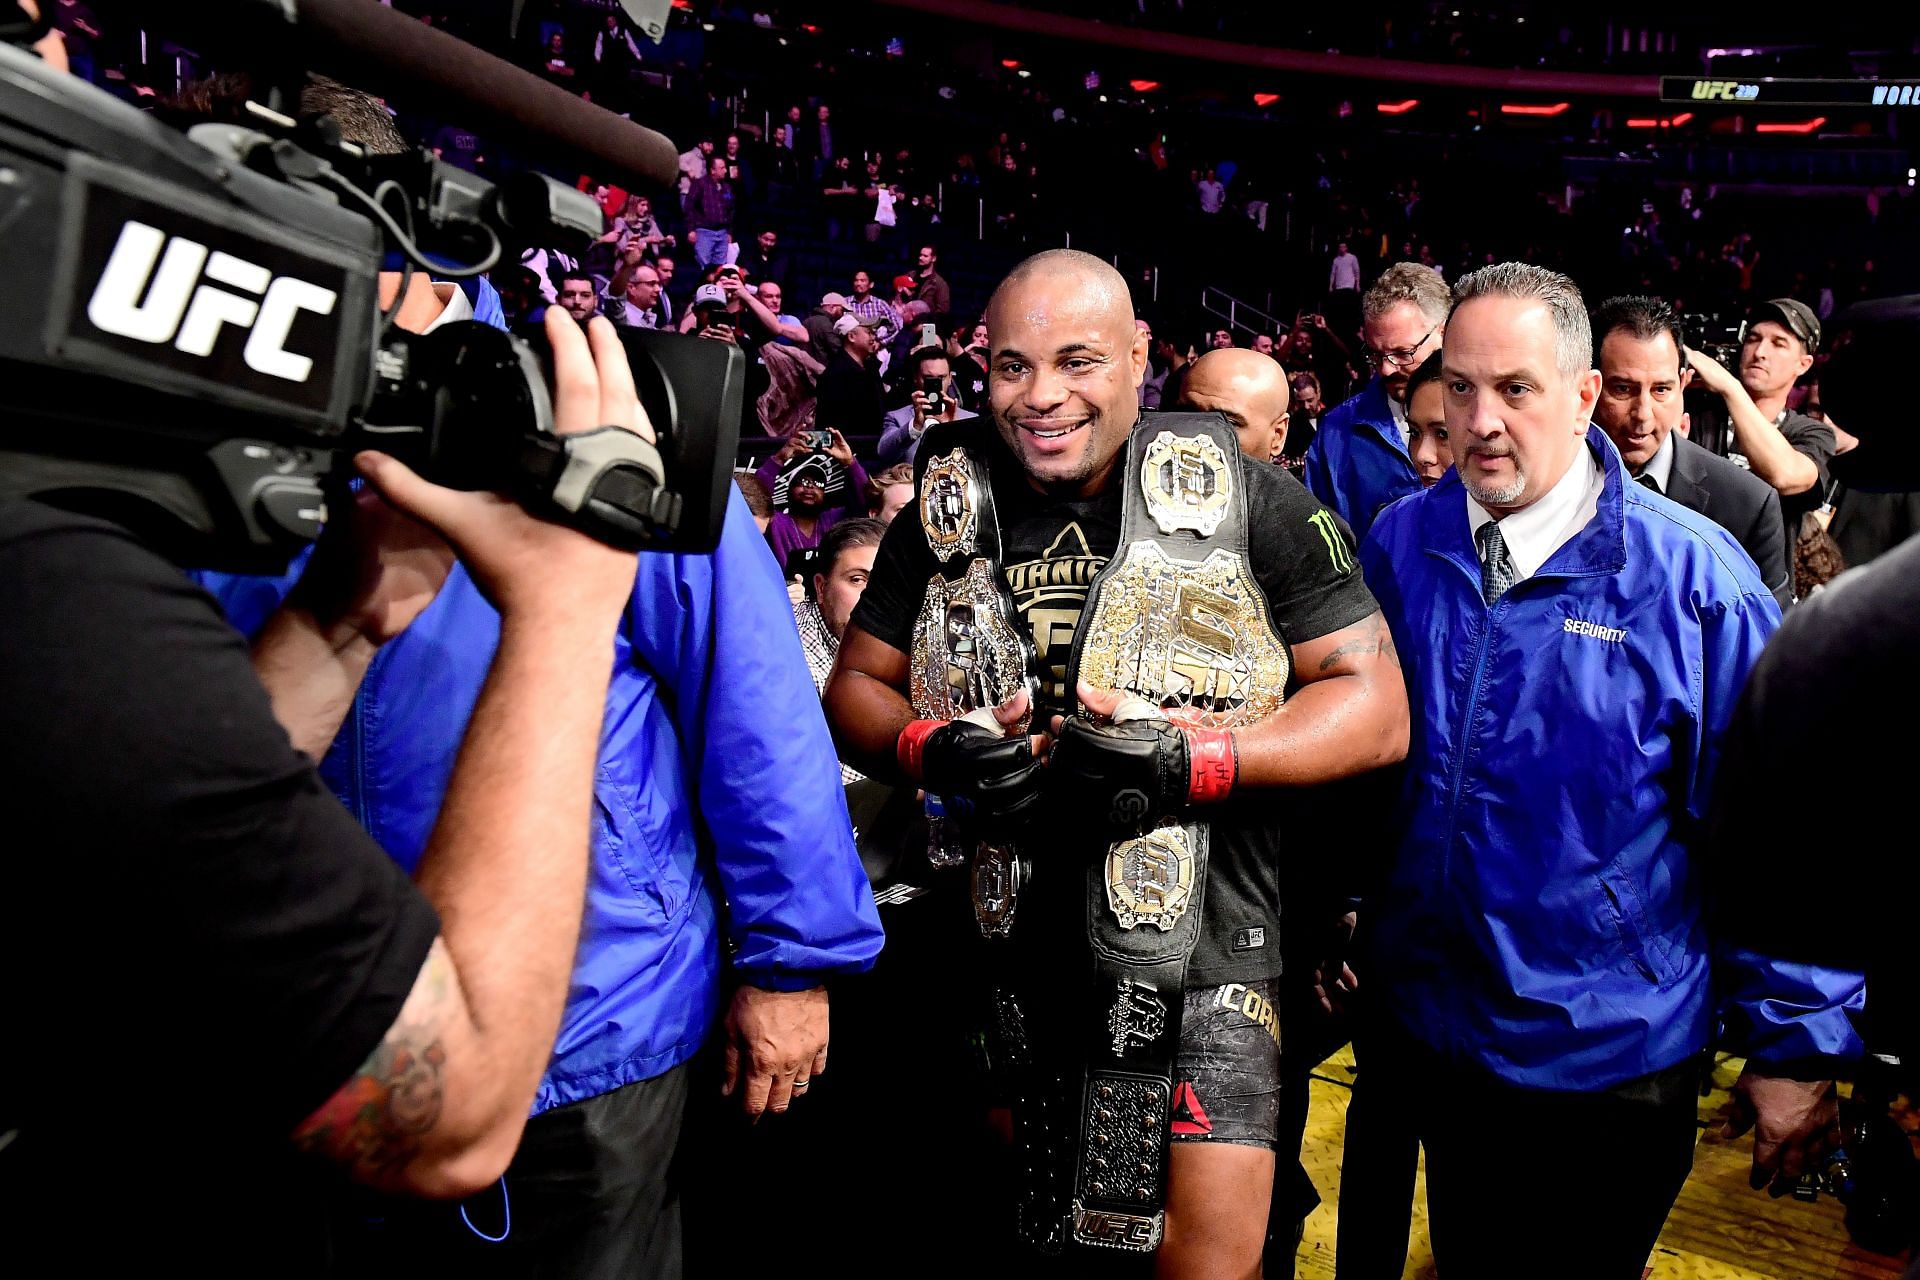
(1379, 1164)
(592, 1194)
(1524, 1181)
(886, 1165)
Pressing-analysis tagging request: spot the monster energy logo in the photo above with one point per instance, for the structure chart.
(1329, 528)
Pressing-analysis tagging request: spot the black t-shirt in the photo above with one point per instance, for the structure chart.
(203, 945)
(1815, 439)
(1052, 550)
(1809, 436)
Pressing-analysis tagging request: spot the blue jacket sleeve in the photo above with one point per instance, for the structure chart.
(758, 757)
(1318, 473)
(486, 304)
(1798, 1019)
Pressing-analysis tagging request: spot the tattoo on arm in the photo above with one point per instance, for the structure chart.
(1376, 640)
(373, 1124)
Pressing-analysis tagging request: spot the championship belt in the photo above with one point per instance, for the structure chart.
(1176, 618)
(967, 653)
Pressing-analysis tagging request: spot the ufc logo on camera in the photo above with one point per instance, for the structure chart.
(158, 288)
(217, 302)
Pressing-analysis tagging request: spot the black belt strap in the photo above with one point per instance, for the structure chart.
(1183, 470)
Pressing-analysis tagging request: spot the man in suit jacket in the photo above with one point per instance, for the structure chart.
(1637, 348)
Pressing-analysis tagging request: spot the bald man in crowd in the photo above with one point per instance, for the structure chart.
(1248, 389)
(1066, 362)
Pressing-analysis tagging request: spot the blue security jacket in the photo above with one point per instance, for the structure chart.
(719, 819)
(1544, 918)
(1358, 462)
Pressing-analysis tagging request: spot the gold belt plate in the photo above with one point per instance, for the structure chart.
(1192, 637)
(1150, 878)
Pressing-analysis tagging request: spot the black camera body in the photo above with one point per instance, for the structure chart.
(1715, 334)
(198, 348)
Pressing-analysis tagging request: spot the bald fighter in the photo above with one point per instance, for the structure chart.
(1248, 389)
(1065, 363)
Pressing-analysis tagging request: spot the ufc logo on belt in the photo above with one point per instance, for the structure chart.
(183, 305)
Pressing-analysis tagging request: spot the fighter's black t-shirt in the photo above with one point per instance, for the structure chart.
(1301, 554)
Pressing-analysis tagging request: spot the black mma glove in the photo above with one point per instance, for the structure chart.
(1128, 775)
(988, 777)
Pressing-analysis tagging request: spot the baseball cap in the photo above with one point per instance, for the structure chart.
(709, 294)
(728, 268)
(834, 300)
(903, 282)
(1796, 315)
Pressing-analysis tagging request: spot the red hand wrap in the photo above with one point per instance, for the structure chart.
(912, 742)
(1212, 765)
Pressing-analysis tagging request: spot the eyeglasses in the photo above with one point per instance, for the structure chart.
(1400, 357)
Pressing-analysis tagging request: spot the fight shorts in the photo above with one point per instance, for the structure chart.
(1228, 1065)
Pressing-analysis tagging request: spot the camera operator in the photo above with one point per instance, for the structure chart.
(1788, 450)
(250, 944)
(693, 799)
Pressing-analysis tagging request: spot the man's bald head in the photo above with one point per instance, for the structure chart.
(1095, 279)
(1250, 389)
(1066, 362)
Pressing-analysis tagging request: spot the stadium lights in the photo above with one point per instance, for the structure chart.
(1396, 108)
(1265, 99)
(1783, 126)
(1532, 108)
(1143, 86)
(1657, 122)
(1011, 64)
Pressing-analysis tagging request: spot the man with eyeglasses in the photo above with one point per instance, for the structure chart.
(1358, 462)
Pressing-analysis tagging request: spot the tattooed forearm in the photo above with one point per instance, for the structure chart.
(373, 1124)
(1377, 641)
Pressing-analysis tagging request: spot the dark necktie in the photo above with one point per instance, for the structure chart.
(1648, 481)
(1496, 566)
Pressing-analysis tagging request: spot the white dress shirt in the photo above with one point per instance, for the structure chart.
(1659, 468)
(1535, 532)
(1399, 412)
(454, 306)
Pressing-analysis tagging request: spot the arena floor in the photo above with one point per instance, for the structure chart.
(1719, 1230)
